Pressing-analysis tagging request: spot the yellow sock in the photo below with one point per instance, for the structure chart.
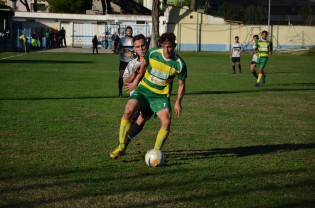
(160, 139)
(125, 126)
(259, 77)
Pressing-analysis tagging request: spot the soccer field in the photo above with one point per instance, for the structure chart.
(235, 145)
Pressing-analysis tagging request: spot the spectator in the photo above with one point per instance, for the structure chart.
(95, 44)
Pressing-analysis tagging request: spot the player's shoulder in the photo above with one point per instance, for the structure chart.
(180, 60)
(155, 50)
(134, 61)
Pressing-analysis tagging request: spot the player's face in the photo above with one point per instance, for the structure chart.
(128, 33)
(168, 49)
(236, 39)
(264, 36)
(140, 47)
(255, 39)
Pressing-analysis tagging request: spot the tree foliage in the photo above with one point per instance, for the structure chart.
(306, 13)
(255, 15)
(249, 14)
(70, 6)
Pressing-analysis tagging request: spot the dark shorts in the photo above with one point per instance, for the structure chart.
(236, 59)
(148, 113)
(122, 65)
(253, 62)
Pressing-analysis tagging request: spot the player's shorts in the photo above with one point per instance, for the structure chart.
(236, 59)
(262, 61)
(122, 65)
(150, 101)
(253, 62)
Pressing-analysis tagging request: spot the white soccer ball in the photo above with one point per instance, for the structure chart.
(154, 158)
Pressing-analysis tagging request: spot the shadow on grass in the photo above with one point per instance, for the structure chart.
(237, 151)
(257, 89)
(43, 62)
(183, 155)
(187, 93)
(294, 84)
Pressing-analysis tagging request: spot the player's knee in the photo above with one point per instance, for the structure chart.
(130, 109)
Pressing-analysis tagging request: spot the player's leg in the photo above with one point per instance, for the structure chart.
(165, 119)
(261, 65)
(122, 66)
(137, 126)
(252, 69)
(162, 107)
(263, 79)
(125, 125)
(233, 65)
(144, 115)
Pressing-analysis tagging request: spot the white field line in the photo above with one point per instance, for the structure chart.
(12, 56)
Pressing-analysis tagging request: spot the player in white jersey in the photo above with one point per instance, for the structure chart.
(131, 71)
(255, 57)
(125, 46)
(235, 55)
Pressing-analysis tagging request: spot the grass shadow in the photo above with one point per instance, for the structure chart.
(237, 151)
(43, 62)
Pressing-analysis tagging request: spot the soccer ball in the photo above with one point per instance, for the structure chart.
(154, 158)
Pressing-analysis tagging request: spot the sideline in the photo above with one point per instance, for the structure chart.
(12, 56)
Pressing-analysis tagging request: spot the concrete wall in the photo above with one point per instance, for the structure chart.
(200, 32)
(220, 37)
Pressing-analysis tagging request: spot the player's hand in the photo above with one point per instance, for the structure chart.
(129, 87)
(178, 109)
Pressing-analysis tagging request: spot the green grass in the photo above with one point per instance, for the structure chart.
(235, 145)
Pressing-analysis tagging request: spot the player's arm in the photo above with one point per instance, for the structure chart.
(180, 95)
(119, 45)
(129, 79)
(133, 85)
(270, 49)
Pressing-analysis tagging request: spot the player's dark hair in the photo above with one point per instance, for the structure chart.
(256, 36)
(138, 37)
(167, 37)
(264, 32)
(128, 27)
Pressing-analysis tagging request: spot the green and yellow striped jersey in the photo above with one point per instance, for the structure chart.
(263, 47)
(160, 72)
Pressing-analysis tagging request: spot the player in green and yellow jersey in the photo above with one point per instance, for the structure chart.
(156, 77)
(264, 49)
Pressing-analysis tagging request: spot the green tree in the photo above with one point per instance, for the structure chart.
(230, 11)
(255, 15)
(70, 6)
(306, 13)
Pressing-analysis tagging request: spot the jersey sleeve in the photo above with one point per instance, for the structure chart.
(183, 73)
(127, 72)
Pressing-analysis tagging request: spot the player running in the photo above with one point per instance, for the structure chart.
(264, 49)
(255, 57)
(160, 67)
(131, 71)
